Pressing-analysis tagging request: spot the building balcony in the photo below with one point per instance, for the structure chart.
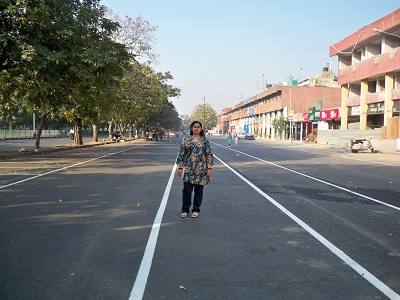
(353, 101)
(372, 67)
(395, 94)
(375, 97)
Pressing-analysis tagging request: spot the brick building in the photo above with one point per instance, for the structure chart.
(307, 106)
(369, 75)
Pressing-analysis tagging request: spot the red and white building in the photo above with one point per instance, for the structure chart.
(308, 105)
(369, 76)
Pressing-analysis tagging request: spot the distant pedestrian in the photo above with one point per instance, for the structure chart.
(195, 161)
(71, 135)
(229, 140)
(236, 140)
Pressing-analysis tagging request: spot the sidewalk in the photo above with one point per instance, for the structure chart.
(381, 146)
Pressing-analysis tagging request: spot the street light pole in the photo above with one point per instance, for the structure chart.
(34, 124)
(290, 116)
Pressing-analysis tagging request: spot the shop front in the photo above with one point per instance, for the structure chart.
(354, 114)
(375, 115)
(331, 117)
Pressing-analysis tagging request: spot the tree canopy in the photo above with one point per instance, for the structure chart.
(280, 124)
(206, 115)
(67, 59)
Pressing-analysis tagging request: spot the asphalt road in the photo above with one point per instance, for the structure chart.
(278, 222)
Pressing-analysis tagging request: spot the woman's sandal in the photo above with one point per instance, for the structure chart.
(195, 214)
(184, 215)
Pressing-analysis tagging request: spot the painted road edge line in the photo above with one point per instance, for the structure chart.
(144, 269)
(65, 168)
(319, 180)
(339, 253)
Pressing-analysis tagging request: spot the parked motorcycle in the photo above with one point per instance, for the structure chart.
(361, 145)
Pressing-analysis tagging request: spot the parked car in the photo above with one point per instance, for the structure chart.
(241, 135)
(249, 137)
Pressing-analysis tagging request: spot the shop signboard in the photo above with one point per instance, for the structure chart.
(290, 115)
(318, 105)
(300, 117)
(305, 117)
(376, 108)
(329, 114)
(311, 114)
(318, 108)
(355, 110)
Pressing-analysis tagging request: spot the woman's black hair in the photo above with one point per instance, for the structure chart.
(201, 125)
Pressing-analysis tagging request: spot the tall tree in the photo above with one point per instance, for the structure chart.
(63, 53)
(144, 96)
(206, 115)
(96, 71)
(137, 34)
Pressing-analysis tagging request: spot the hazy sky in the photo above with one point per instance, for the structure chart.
(220, 49)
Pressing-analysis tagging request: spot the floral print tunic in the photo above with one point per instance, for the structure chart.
(195, 157)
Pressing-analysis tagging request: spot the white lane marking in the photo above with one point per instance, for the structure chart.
(372, 162)
(64, 168)
(319, 180)
(339, 253)
(144, 269)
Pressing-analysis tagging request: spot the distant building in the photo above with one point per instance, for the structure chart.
(369, 76)
(306, 104)
(326, 78)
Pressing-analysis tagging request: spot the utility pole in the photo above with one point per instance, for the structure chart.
(34, 124)
(290, 116)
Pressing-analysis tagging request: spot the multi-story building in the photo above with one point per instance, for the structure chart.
(369, 75)
(305, 105)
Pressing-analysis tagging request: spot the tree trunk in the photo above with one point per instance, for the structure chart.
(39, 131)
(95, 132)
(78, 131)
(121, 128)
(131, 131)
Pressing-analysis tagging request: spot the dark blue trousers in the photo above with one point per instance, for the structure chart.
(187, 197)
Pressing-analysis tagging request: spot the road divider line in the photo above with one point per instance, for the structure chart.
(64, 168)
(319, 180)
(339, 253)
(144, 269)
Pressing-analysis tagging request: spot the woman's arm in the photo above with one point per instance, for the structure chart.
(180, 159)
(208, 154)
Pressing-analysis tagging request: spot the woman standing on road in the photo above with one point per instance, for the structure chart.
(236, 140)
(229, 139)
(195, 161)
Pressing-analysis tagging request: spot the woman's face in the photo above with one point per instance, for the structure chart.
(196, 128)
